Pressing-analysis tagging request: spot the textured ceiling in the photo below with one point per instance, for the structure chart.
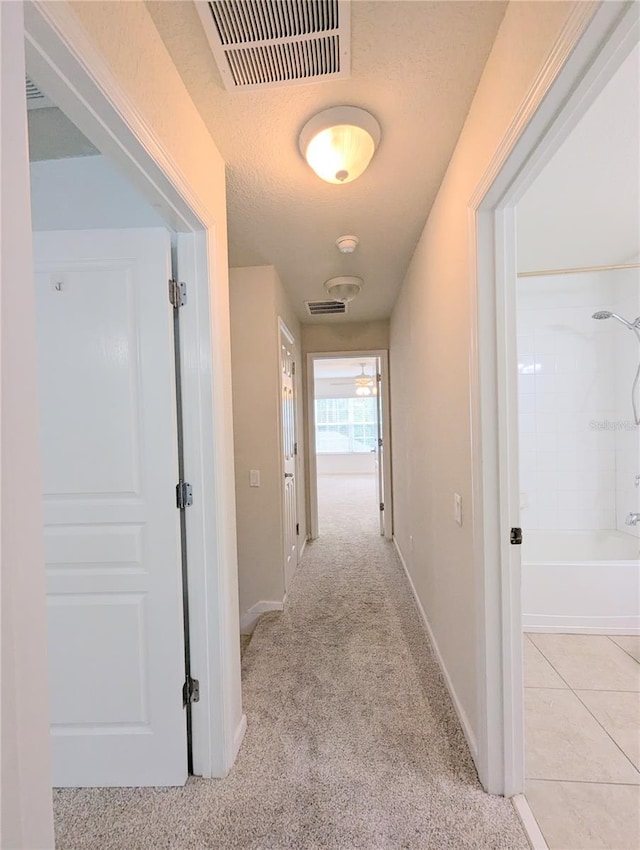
(584, 208)
(415, 66)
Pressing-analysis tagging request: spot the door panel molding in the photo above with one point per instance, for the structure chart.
(109, 449)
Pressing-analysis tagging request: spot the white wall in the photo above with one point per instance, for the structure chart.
(346, 463)
(578, 447)
(566, 396)
(85, 193)
(430, 351)
(257, 300)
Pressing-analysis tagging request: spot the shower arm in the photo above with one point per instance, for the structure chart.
(635, 327)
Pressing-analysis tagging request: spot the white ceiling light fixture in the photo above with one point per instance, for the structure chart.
(339, 143)
(344, 288)
(347, 244)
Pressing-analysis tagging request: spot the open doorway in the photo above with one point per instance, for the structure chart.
(111, 446)
(65, 65)
(578, 361)
(349, 458)
(346, 428)
(611, 36)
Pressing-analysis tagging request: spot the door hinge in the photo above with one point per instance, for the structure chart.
(184, 495)
(293, 368)
(177, 293)
(381, 506)
(380, 442)
(295, 448)
(515, 538)
(190, 691)
(297, 528)
(378, 377)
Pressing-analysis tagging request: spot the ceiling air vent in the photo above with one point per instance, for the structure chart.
(325, 308)
(267, 43)
(35, 98)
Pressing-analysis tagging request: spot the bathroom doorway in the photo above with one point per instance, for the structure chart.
(578, 347)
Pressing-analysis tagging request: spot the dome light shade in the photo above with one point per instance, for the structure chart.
(340, 142)
(344, 288)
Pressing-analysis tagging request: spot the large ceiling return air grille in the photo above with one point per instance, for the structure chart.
(267, 43)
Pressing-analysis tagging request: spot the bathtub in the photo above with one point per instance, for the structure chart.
(581, 581)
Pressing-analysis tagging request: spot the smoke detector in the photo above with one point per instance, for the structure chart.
(344, 288)
(347, 244)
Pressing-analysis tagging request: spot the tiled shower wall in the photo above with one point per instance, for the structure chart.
(577, 461)
(627, 442)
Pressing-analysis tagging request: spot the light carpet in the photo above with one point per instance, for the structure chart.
(352, 741)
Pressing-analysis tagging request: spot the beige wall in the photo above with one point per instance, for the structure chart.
(257, 300)
(430, 339)
(350, 336)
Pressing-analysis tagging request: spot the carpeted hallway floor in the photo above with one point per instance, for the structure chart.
(352, 742)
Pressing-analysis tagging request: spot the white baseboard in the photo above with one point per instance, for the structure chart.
(249, 619)
(302, 548)
(462, 715)
(557, 624)
(530, 825)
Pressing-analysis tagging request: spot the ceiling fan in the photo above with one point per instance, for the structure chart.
(365, 384)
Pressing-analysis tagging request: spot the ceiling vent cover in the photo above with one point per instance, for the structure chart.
(35, 98)
(325, 308)
(267, 43)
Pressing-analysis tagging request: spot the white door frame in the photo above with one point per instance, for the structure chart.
(592, 46)
(27, 816)
(77, 79)
(383, 354)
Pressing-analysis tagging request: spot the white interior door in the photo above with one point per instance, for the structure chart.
(288, 420)
(109, 450)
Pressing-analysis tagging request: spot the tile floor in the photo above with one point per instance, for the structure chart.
(582, 722)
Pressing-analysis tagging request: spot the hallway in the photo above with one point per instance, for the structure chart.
(352, 741)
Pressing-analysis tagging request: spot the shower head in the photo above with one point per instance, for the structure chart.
(607, 314)
(635, 327)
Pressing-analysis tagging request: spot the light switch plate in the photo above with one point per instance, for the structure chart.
(457, 508)
(254, 478)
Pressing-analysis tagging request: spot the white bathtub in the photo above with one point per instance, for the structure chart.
(581, 581)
